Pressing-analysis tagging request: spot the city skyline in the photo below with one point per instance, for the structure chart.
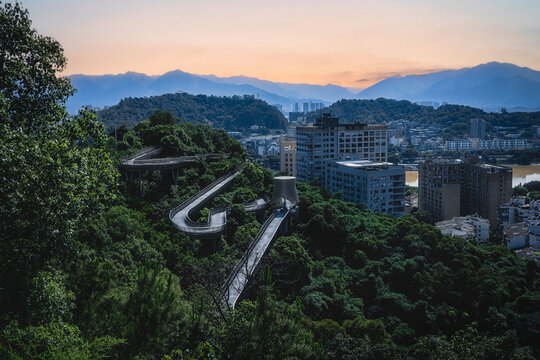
(354, 44)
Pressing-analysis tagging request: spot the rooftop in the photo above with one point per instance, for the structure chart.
(517, 229)
(443, 161)
(527, 253)
(364, 164)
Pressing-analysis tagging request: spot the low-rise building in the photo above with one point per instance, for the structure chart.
(517, 210)
(515, 235)
(533, 228)
(470, 227)
(478, 144)
(379, 185)
(528, 254)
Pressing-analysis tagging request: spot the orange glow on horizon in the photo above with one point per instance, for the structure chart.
(348, 43)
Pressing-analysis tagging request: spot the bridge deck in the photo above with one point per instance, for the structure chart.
(244, 269)
(218, 220)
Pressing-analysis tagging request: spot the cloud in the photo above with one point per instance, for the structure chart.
(376, 76)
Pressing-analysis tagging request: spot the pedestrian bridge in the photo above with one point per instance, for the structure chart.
(275, 225)
(181, 216)
(147, 160)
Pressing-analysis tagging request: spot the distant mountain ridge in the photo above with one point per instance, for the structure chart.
(489, 86)
(107, 90)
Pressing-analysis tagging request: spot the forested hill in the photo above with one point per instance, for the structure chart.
(455, 118)
(229, 113)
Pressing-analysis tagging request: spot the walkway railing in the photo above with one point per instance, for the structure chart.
(247, 253)
(244, 261)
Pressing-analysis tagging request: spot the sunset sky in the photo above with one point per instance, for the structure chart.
(345, 42)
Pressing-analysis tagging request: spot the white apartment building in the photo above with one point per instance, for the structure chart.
(328, 139)
(457, 145)
(477, 144)
(378, 185)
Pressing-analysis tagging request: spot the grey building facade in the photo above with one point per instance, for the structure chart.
(378, 185)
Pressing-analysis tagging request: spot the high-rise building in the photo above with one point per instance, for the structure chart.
(315, 106)
(287, 151)
(328, 139)
(296, 108)
(295, 117)
(478, 129)
(306, 108)
(380, 186)
(448, 188)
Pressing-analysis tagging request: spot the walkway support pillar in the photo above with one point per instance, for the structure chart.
(284, 188)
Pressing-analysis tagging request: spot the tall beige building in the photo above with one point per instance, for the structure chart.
(287, 151)
(453, 187)
(328, 139)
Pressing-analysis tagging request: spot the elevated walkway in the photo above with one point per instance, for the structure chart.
(146, 160)
(181, 216)
(242, 272)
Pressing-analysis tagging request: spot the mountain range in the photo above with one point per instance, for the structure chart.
(106, 90)
(488, 86)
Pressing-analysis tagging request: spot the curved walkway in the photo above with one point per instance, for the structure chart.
(216, 225)
(145, 160)
(181, 216)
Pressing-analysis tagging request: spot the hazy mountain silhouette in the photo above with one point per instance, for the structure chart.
(329, 92)
(110, 89)
(488, 86)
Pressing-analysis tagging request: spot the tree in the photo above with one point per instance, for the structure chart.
(29, 64)
(55, 341)
(53, 168)
(267, 329)
(520, 191)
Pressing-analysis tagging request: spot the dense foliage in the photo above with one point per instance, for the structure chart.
(92, 268)
(422, 288)
(454, 119)
(229, 113)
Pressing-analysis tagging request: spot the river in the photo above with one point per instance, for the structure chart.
(521, 174)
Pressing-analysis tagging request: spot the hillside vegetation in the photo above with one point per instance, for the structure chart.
(454, 119)
(92, 267)
(229, 113)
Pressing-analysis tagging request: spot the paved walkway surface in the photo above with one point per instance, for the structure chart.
(243, 271)
(218, 220)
